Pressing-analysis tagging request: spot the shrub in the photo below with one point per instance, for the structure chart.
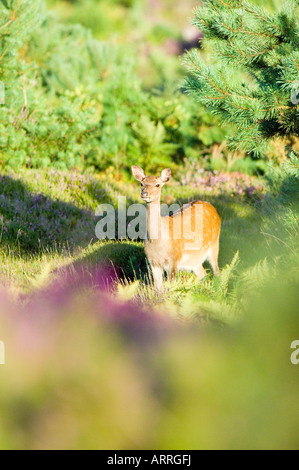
(75, 102)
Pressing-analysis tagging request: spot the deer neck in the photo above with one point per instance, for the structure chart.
(154, 220)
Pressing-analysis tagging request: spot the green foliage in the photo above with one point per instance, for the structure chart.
(253, 70)
(17, 20)
(75, 102)
(101, 17)
(285, 181)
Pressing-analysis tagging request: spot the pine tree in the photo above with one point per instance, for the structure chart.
(251, 77)
(17, 19)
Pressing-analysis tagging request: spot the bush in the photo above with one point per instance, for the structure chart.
(75, 102)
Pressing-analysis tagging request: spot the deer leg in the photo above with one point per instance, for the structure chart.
(213, 258)
(171, 273)
(158, 276)
(200, 272)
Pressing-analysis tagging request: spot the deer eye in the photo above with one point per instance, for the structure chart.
(157, 186)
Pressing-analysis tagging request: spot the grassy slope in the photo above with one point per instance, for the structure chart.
(48, 223)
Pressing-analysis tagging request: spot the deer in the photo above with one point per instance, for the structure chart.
(182, 241)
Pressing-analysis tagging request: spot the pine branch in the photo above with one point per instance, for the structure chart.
(256, 52)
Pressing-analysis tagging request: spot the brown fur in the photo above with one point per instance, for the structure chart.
(175, 242)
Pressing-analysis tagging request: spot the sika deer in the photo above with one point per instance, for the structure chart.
(183, 240)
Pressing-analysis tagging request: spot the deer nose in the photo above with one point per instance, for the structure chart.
(144, 193)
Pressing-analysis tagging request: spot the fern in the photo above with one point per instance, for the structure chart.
(226, 277)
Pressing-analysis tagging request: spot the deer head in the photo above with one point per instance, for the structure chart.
(151, 185)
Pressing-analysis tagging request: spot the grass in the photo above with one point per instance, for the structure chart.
(48, 226)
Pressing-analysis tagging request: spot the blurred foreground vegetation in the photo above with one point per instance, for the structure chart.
(119, 377)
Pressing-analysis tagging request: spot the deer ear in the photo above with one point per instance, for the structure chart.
(138, 173)
(166, 175)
